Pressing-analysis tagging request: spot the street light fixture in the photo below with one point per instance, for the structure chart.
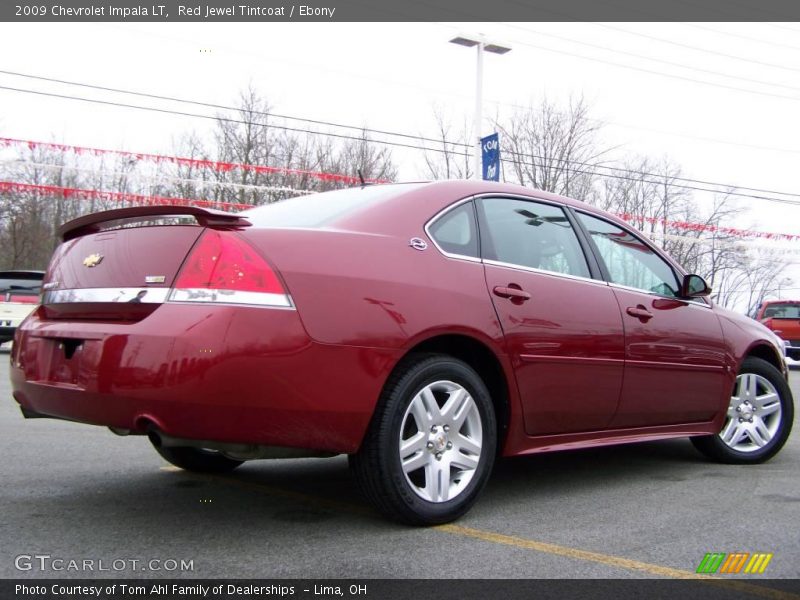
(482, 45)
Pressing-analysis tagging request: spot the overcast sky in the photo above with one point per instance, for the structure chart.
(694, 111)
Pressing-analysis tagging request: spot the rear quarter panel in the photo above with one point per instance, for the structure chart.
(375, 290)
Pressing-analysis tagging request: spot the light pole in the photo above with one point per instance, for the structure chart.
(482, 46)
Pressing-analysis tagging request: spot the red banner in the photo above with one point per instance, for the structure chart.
(688, 226)
(223, 167)
(119, 197)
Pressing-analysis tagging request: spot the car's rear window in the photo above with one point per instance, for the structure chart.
(15, 288)
(782, 311)
(324, 209)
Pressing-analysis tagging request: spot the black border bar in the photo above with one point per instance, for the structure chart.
(391, 589)
(397, 10)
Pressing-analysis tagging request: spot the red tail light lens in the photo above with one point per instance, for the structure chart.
(225, 269)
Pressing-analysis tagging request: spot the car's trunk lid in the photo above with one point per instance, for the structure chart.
(120, 264)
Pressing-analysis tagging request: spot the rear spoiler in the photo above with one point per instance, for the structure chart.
(205, 216)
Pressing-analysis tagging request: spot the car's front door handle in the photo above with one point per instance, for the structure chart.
(640, 312)
(511, 291)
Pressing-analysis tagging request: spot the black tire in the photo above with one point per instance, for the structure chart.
(714, 447)
(196, 460)
(377, 466)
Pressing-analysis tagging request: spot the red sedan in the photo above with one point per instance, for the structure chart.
(420, 328)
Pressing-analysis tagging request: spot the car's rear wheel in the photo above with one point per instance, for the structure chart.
(197, 460)
(759, 417)
(431, 445)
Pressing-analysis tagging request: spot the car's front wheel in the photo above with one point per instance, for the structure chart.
(431, 445)
(759, 417)
(197, 460)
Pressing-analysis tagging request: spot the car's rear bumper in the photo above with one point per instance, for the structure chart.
(247, 375)
(11, 315)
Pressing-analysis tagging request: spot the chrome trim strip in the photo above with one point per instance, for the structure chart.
(136, 295)
(162, 295)
(562, 205)
(553, 358)
(497, 263)
(189, 295)
(653, 364)
(514, 196)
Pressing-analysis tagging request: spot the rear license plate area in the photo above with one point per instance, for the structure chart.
(62, 360)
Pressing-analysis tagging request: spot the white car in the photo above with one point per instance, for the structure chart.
(19, 296)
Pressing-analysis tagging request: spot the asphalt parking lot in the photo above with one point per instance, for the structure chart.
(639, 511)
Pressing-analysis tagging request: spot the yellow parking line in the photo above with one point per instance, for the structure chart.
(566, 551)
(614, 561)
(522, 543)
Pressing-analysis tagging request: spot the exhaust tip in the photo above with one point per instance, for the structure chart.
(154, 437)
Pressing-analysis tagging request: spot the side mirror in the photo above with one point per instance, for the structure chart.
(694, 286)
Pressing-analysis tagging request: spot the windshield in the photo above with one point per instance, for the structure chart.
(782, 311)
(324, 209)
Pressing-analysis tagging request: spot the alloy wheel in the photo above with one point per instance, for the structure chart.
(754, 414)
(440, 441)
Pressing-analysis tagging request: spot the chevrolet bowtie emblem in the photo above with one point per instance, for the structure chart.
(92, 260)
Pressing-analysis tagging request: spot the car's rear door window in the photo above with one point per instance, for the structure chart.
(630, 262)
(531, 234)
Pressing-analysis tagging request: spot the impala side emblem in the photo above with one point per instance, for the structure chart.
(92, 260)
(418, 243)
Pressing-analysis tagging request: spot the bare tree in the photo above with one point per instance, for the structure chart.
(450, 156)
(550, 149)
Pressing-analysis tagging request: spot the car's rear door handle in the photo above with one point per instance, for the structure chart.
(640, 312)
(514, 293)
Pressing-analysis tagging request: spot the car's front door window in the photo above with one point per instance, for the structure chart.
(630, 261)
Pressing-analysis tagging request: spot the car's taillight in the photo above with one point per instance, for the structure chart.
(23, 299)
(225, 269)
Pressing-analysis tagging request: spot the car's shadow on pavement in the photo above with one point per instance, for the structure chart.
(321, 493)
(321, 488)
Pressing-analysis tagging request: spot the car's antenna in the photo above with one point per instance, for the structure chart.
(361, 177)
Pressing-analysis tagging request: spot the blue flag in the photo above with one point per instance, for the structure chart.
(490, 149)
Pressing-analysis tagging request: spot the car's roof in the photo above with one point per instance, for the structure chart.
(445, 192)
(393, 208)
(469, 187)
(477, 186)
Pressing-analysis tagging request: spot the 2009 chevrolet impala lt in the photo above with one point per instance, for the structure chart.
(422, 329)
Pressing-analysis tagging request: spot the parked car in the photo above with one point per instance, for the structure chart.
(420, 328)
(19, 295)
(782, 317)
